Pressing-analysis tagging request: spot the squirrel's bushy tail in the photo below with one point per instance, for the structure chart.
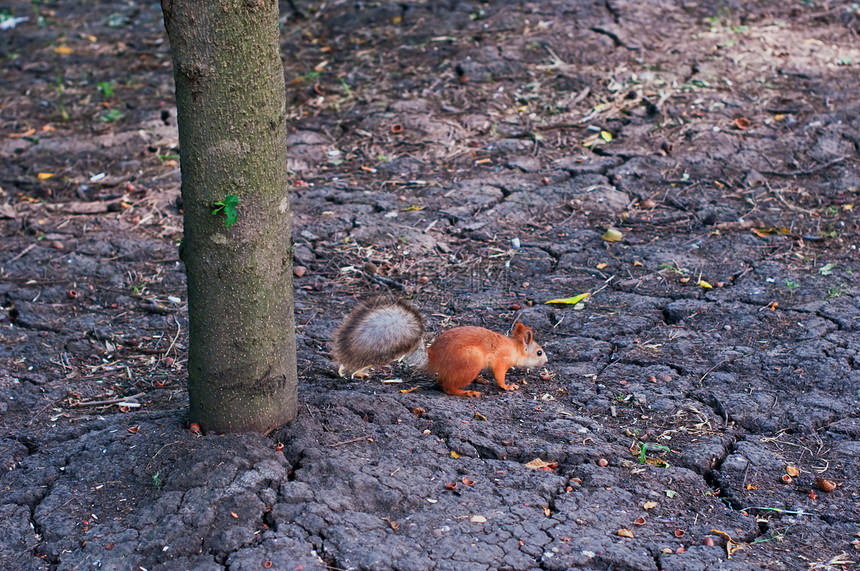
(378, 332)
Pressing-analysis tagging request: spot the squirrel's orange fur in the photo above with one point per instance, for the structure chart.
(459, 355)
(379, 332)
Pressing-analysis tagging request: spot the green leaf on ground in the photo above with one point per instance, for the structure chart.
(569, 300)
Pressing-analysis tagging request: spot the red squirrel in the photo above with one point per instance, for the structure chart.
(378, 332)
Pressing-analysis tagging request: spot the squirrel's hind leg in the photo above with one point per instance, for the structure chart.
(363, 373)
(460, 392)
(453, 384)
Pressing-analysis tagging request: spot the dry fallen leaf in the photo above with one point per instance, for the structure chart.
(731, 544)
(613, 235)
(625, 532)
(478, 519)
(742, 123)
(765, 232)
(649, 505)
(538, 464)
(825, 485)
(26, 133)
(792, 471)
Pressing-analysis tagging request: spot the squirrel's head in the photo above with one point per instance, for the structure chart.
(533, 354)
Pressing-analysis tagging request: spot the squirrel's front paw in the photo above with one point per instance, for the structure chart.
(511, 387)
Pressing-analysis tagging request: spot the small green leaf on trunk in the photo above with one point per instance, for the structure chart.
(228, 207)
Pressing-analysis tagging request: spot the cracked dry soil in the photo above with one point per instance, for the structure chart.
(467, 155)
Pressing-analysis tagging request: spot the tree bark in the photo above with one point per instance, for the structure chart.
(231, 102)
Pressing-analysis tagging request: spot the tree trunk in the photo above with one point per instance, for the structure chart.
(231, 102)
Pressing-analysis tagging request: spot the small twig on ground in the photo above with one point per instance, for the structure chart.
(616, 39)
(359, 439)
(173, 342)
(709, 371)
(23, 252)
(105, 402)
(39, 412)
(604, 286)
(811, 170)
(554, 226)
(787, 204)
(385, 281)
(591, 271)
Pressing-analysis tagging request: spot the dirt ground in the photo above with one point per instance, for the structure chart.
(699, 409)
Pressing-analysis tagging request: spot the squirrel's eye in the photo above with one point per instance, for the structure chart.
(540, 353)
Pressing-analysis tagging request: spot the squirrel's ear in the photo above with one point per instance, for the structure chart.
(523, 332)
